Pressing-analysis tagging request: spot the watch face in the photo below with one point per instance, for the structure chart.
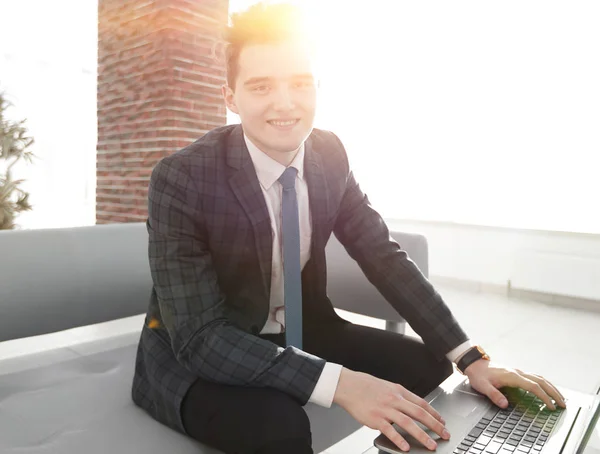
(483, 353)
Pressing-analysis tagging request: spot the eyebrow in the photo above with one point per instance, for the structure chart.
(259, 80)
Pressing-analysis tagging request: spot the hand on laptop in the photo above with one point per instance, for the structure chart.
(488, 379)
(378, 403)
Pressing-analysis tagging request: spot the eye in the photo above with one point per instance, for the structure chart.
(260, 89)
(304, 84)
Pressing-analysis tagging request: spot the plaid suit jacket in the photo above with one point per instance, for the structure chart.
(210, 259)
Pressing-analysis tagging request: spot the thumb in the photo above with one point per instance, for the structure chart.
(494, 394)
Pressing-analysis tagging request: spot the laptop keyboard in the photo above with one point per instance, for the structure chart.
(521, 428)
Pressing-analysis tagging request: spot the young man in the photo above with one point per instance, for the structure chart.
(238, 222)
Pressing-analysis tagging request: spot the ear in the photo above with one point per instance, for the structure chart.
(229, 99)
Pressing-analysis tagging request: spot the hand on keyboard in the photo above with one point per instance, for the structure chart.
(488, 379)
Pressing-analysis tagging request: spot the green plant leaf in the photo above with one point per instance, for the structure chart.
(14, 143)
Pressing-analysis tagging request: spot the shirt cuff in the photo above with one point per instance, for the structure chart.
(325, 389)
(458, 351)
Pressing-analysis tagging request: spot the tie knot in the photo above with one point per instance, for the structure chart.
(288, 178)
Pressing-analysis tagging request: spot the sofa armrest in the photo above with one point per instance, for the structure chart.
(349, 289)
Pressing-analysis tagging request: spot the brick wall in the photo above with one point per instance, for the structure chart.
(158, 90)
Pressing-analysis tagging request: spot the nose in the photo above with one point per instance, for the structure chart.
(283, 100)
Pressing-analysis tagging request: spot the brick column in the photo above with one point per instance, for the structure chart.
(158, 90)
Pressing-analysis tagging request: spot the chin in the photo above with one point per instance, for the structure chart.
(287, 146)
(290, 143)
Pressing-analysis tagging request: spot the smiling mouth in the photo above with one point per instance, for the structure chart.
(283, 123)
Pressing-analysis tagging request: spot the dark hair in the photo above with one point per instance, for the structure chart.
(260, 24)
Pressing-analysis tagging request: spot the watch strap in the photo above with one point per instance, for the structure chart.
(473, 354)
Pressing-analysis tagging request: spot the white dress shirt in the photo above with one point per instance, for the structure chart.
(268, 172)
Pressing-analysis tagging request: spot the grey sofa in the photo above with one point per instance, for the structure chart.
(77, 398)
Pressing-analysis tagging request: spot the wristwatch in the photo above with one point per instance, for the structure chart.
(472, 355)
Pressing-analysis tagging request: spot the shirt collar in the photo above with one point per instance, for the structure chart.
(267, 169)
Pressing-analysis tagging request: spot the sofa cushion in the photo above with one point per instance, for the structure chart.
(77, 399)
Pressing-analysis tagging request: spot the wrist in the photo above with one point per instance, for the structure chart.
(475, 365)
(342, 386)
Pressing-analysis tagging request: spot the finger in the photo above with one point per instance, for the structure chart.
(389, 431)
(557, 392)
(494, 394)
(420, 414)
(411, 397)
(548, 388)
(519, 381)
(407, 423)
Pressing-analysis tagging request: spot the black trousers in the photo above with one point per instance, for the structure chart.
(241, 420)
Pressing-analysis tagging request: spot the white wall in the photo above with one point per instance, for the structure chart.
(476, 112)
(550, 262)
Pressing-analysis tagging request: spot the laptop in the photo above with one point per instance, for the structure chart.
(527, 426)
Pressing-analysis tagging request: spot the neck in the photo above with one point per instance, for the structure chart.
(283, 158)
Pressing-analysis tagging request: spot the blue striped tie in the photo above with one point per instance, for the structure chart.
(292, 280)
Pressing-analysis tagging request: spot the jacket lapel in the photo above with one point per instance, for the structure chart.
(246, 187)
(318, 193)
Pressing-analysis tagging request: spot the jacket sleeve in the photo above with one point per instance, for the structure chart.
(366, 238)
(192, 306)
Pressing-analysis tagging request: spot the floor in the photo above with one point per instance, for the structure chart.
(558, 343)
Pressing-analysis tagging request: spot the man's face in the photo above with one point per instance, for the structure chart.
(275, 96)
